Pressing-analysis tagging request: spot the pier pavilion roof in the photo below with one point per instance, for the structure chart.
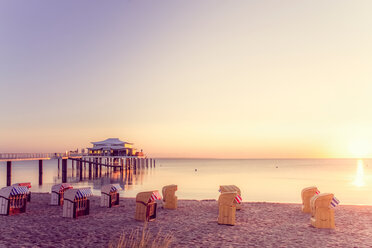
(110, 142)
(108, 148)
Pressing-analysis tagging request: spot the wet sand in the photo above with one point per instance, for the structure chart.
(193, 224)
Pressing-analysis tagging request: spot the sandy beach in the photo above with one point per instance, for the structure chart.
(193, 224)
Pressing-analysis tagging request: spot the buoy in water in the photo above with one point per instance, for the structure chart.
(196, 169)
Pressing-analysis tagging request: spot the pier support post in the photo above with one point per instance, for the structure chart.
(8, 173)
(80, 170)
(100, 167)
(154, 163)
(58, 167)
(40, 172)
(96, 167)
(64, 170)
(85, 169)
(90, 169)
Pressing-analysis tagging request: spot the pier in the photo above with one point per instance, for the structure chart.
(94, 163)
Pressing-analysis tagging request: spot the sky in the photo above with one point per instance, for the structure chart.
(194, 79)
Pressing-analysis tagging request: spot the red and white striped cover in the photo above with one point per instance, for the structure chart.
(66, 186)
(155, 196)
(238, 199)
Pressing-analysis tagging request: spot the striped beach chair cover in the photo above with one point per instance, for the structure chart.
(155, 196)
(28, 185)
(83, 192)
(334, 202)
(115, 187)
(19, 190)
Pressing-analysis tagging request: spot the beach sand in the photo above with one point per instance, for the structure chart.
(193, 224)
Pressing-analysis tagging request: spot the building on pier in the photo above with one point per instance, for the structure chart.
(113, 147)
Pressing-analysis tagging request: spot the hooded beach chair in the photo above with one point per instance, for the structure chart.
(76, 202)
(322, 214)
(110, 195)
(146, 205)
(226, 208)
(306, 195)
(13, 200)
(57, 193)
(232, 188)
(169, 197)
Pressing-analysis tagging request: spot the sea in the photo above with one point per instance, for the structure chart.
(260, 180)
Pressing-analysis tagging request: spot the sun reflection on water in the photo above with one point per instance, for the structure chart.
(359, 178)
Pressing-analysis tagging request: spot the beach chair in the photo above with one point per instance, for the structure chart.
(28, 185)
(13, 200)
(232, 188)
(110, 195)
(169, 197)
(145, 206)
(226, 208)
(322, 214)
(306, 195)
(57, 193)
(76, 202)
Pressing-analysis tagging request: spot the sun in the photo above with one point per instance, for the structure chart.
(359, 178)
(360, 148)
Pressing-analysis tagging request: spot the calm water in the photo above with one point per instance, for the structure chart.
(260, 180)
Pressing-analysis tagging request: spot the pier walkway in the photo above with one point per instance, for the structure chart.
(29, 156)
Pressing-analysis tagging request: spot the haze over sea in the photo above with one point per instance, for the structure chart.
(269, 180)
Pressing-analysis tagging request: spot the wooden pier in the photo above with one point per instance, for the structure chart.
(95, 163)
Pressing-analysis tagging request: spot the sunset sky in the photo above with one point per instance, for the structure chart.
(213, 79)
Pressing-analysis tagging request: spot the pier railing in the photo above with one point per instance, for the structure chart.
(34, 156)
(25, 156)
